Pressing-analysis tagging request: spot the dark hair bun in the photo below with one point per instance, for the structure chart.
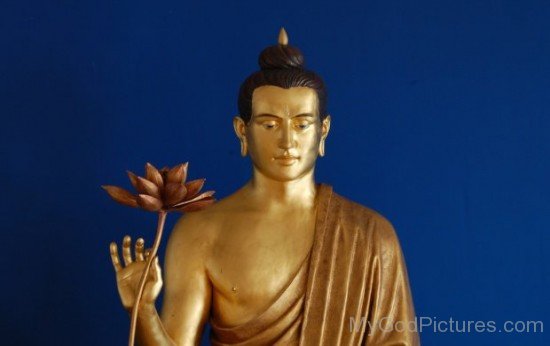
(281, 57)
(281, 66)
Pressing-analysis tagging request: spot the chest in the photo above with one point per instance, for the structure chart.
(256, 256)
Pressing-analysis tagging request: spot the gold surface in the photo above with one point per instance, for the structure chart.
(282, 260)
(283, 37)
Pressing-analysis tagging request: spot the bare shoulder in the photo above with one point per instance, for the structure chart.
(196, 232)
(192, 232)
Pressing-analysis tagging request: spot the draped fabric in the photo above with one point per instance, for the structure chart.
(357, 271)
(279, 324)
(352, 289)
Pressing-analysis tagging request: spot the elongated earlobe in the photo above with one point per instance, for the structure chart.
(239, 127)
(244, 148)
(325, 130)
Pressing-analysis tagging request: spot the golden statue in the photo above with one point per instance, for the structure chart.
(283, 260)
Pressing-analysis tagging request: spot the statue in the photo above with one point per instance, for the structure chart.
(283, 260)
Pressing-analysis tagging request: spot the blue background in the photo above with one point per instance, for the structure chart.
(441, 122)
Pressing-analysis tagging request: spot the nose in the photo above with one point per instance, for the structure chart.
(287, 140)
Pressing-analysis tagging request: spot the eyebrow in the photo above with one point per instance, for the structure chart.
(302, 115)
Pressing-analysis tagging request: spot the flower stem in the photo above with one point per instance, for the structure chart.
(152, 255)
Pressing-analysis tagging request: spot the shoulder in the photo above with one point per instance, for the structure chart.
(378, 228)
(192, 237)
(200, 228)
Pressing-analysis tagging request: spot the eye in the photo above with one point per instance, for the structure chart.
(302, 125)
(269, 125)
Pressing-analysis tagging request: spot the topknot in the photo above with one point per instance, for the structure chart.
(281, 56)
(281, 66)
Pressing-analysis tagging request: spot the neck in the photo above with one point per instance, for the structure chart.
(300, 191)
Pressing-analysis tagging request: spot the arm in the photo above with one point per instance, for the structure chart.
(149, 330)
(392, 316)
(187, 292)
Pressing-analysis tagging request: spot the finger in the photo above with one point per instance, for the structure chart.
(153, 277)
(156, 273)
(139, 250)
(156, 269)
(114, 257)
(126, 253)
(148, 253)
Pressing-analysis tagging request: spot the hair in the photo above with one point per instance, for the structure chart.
(283, 66)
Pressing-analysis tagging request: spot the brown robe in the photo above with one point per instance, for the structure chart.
(351, 289)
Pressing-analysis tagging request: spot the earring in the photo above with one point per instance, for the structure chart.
(244, 148)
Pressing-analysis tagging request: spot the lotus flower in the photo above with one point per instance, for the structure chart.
(163, 189)
(160, 191)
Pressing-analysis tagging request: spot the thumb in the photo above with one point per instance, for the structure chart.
(156, 271)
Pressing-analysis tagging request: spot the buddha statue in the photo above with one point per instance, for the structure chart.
(283, 260)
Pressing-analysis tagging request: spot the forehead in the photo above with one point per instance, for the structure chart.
(270, 99)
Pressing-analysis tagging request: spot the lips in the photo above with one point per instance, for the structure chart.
(287, 160)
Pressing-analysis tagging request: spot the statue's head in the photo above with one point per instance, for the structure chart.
(282, 122)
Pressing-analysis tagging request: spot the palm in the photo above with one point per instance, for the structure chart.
(129, 275)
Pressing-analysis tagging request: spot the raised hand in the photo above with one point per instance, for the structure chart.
(129, 275)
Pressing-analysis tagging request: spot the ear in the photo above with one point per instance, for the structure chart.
(325, 128)
(240, 130)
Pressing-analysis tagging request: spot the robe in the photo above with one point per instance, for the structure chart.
(352, 289)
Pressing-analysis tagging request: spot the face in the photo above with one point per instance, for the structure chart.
(284, 133)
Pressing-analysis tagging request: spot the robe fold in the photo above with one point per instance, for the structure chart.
(279, 324)
(352, 289)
